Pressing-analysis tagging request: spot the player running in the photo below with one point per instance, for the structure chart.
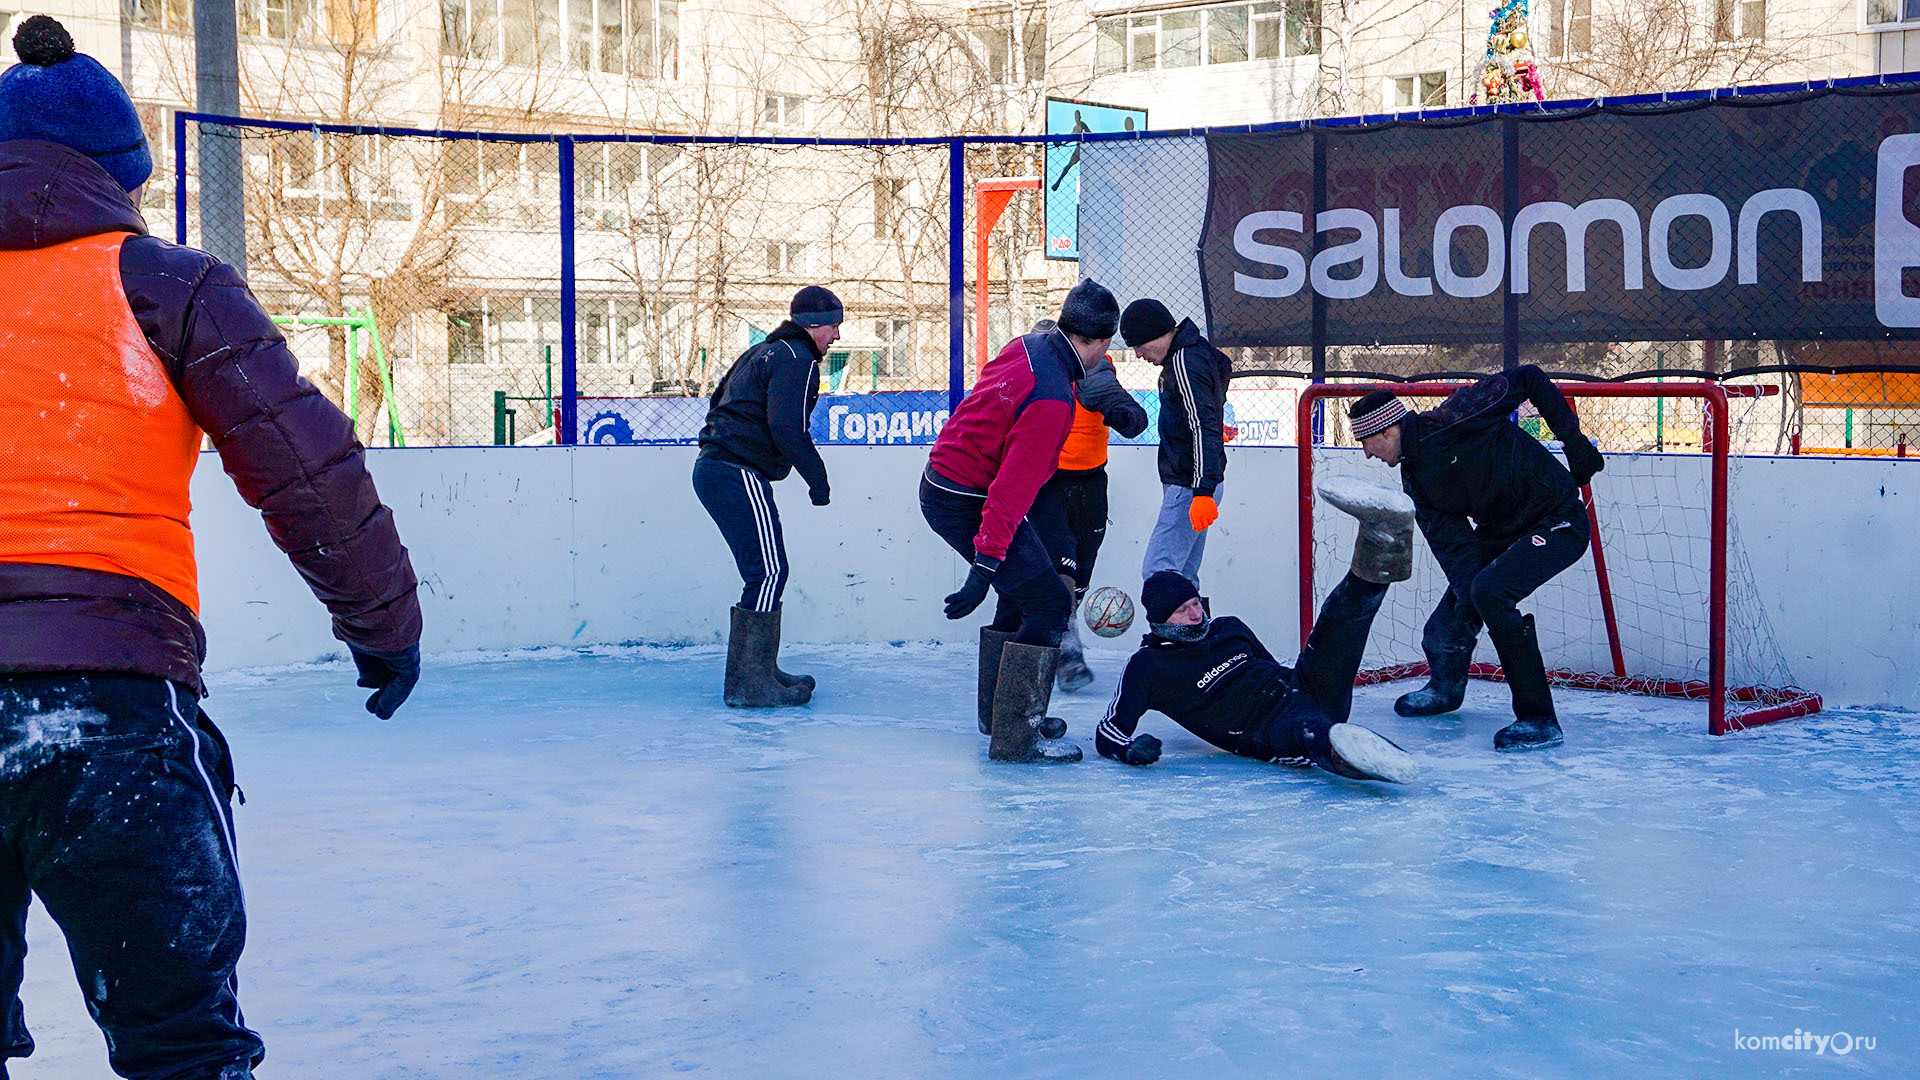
(1215, 678)
(1070, 512)
(758, 430)
(994, 455)
(1466, 460)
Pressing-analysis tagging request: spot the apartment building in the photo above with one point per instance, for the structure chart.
(684, 253)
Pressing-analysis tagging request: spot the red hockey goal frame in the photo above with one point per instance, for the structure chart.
(1769, 704)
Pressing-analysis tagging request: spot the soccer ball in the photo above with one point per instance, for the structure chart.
(1109, 611)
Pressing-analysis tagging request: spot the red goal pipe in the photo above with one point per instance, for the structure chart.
(1782, 705)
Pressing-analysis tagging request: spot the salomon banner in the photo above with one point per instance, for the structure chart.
(1791, 217)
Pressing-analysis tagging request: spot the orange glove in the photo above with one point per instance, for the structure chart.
(1203, 512)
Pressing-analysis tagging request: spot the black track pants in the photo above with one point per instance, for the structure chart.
(740, 501)
(1322, 694)
(114, 812)
(1070, 513)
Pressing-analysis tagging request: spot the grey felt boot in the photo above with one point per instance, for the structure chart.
(1020, 707)
(753, 641)
(1383, 550)
(991, 642)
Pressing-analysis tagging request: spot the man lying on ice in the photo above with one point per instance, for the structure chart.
(1214, 677)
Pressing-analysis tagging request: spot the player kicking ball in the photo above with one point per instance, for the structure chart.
(1214, 677)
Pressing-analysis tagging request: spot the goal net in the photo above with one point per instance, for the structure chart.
(1664, 603)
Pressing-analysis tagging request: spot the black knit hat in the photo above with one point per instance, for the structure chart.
(1144, 320)
(1375, 413)
(816, 305)
(1163, 594)
(1090, 311)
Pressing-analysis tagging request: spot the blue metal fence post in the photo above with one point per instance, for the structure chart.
(956, 272)
(179, 177)
(566, 427)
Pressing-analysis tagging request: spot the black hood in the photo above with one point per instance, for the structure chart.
(50, 194)
(1187, 335)
(793, 331)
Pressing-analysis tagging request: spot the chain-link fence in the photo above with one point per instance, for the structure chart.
(470, 288)
(501, 288)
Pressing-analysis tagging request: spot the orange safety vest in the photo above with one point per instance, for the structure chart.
(96, 446)
(1086, 446)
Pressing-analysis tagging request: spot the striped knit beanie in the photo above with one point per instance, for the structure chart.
(1375, 413)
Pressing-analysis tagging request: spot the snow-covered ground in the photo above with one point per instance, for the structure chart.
(569, 864)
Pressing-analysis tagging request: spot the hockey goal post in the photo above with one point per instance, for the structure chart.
(1669, 556)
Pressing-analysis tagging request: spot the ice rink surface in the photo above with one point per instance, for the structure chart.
(572, 864)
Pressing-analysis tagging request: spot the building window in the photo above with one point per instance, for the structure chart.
(1570, 31)
(638, 38)
(467, 335)
(889, 201)
(1892, 12)
(786, 110)
(1180, 39)
(282, 20)
(893, 361)
(1000, 38)
(788, 257)
(1221, 34)
(156, 14)
(1110, 47)
(1420, 91)
(1143, 43)
(1739, 20)
(1227, 35)
(1033, 44)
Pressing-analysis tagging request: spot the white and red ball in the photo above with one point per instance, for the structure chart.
(1108, 611)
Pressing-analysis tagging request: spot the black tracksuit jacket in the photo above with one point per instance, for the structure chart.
(1193, 412)
(763, 407)
(1465, 459)
(1220, 688)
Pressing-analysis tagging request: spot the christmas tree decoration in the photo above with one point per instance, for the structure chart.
(1509, 73)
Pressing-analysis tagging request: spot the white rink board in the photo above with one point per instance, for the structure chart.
(571, 546)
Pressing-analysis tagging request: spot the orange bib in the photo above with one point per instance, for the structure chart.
(1086, 446)
(96, 446)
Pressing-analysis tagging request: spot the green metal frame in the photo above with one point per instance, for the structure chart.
(356, 321)
(505, 428)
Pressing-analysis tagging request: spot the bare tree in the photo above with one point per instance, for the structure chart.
(1650, 46)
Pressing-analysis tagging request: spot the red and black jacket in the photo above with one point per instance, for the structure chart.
(1005, 437)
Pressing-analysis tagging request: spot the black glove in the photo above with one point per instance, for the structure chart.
(821, 495)
(1583, 459)
(974, 589)
(389, 675)
(1143, 750)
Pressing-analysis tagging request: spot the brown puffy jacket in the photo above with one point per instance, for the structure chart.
(96, 567)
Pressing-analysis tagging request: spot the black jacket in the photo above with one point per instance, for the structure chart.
(1219, 687)
(1100, 391)
(763, 408)
(1467, 459)
(1193, 412)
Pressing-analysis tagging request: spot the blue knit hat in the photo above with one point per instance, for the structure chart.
(60, 96)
